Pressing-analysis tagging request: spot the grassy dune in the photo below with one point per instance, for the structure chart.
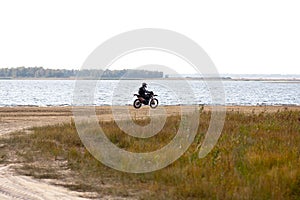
(256, 157)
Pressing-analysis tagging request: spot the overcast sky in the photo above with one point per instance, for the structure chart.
(239, 36)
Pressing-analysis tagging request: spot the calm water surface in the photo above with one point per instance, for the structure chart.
(108, 92)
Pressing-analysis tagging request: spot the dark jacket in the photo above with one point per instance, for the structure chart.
(143, 91)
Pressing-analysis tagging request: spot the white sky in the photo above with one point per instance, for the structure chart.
(239, 36)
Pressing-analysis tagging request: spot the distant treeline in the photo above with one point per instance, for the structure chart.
(40, 72)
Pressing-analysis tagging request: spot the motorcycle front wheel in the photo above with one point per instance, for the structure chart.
(137, 103)
(153, 103)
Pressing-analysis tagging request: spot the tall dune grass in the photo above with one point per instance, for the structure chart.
(256, 157)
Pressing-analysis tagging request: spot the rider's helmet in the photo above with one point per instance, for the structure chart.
(144, 84)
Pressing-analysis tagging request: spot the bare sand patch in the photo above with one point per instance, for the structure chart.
(19, 118)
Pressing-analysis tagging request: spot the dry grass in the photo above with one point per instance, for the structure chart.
(257, 157)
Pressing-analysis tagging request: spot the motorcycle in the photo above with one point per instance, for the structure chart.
(152, 102)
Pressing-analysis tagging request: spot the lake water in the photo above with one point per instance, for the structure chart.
(108, 92)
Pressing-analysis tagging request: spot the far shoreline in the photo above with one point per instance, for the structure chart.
(286, 80)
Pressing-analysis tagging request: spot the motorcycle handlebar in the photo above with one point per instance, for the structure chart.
(149, 93)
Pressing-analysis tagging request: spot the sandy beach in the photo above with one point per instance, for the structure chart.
(19, 118)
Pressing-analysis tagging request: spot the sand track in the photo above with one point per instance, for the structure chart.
(26, 188)
(13, 186)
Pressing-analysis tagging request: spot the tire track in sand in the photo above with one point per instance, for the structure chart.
(17, 187)
(26, 188)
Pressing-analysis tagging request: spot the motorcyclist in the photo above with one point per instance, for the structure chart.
(144, 92)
